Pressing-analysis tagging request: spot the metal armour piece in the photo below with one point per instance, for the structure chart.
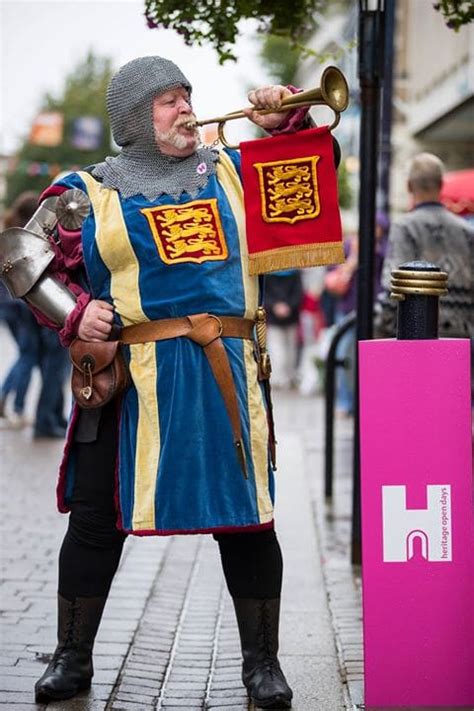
(25, 253)
(72, 208)
(44, 219)
(52, 299)
(24, 257)
(141, 168)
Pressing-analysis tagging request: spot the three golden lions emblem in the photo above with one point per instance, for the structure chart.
(188, 233)
(289, 189)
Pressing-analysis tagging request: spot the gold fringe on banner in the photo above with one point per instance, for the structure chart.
(296, 257)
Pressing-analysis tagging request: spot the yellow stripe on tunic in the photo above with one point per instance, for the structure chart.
(116, 251)
(230, 182)
(258, 435)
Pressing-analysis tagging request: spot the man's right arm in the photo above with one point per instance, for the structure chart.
(90, 319)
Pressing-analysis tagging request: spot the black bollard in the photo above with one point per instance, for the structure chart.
(417, 287)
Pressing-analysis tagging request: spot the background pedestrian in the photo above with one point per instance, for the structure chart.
(23, 328)
(430, 232)
(37, 347)
(283, 296)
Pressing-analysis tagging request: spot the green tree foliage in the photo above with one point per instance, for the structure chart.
(280, 58)
(456, 13)
(216, 22)
(83, 95)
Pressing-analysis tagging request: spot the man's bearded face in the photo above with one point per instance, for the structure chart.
(172, 114)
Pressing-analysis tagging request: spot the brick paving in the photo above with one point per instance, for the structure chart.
(342, 580)
(168, 638)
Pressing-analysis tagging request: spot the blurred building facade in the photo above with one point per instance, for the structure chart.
(433, 92)
(433, 87)
(334, 43)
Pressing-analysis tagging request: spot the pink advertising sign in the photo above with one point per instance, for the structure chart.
(417, 523)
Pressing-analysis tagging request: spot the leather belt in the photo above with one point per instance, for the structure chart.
(209, 326)
(207, 330)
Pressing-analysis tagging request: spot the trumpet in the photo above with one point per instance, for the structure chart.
(333, 92)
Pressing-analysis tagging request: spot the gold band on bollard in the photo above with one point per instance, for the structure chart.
(418, 283)
(428, 284)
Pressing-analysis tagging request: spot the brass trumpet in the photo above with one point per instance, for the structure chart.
(333, 92)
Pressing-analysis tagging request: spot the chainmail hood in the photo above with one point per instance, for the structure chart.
(140, 167)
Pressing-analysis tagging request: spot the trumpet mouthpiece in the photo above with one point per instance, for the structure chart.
(190, 124)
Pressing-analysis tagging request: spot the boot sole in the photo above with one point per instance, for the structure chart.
(276, 702)
(47, 694)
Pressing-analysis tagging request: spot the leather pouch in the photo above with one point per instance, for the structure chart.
(99, 372)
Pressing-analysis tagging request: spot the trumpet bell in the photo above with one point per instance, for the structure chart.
(333, 92)
(334, 89)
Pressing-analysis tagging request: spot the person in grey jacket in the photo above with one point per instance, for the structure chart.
(431, 233)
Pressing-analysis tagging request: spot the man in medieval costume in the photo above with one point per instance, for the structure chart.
(162, 256)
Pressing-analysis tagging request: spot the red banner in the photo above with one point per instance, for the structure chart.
(291, 202)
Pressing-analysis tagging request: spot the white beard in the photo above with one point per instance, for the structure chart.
(176, 139)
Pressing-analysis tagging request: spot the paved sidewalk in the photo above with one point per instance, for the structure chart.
(304, 417)
(168, 638)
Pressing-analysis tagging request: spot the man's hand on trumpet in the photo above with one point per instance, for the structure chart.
(267, 97)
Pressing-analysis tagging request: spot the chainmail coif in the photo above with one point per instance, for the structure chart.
(140, 167)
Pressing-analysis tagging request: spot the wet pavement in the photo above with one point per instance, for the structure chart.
(168, 639)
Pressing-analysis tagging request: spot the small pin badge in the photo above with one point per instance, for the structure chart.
(201, 169)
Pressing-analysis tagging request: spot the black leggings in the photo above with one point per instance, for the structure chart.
(92, 546)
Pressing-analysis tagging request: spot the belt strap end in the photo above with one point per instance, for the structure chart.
(239, 448)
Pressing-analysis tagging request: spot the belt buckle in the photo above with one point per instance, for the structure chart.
(221, 326)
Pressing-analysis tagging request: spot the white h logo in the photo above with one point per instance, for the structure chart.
(431, 526)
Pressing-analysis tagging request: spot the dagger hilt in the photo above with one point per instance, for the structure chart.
(264, 364)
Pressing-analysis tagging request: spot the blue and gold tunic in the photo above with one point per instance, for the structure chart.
(177, 467)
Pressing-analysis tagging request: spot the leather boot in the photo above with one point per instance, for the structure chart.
(258, 622)
(70, 669)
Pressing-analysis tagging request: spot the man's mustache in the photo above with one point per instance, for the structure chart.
(186, 122)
